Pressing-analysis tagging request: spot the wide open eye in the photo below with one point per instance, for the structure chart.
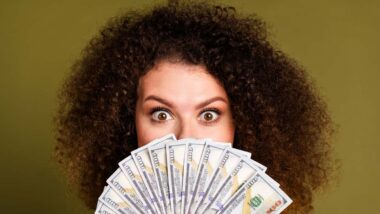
(161, 114)
(209, 115)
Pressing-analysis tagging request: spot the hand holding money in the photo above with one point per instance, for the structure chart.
(169, 176)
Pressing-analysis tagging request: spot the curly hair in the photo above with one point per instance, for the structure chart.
(279, 116)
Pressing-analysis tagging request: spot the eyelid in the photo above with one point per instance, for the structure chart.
(211, 109)
(160, 108)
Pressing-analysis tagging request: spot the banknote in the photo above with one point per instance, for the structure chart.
(158, 158)
(112, 200)
(245, 169)
(121, 185)
(175, 162)
(208, 163)
(190, 175)
(193, 156)
(257, 195)
(130, 170)
(227, 162)
(145, 168)
(101, 208)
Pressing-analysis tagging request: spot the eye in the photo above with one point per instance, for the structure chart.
(209, 115)
(160, 114)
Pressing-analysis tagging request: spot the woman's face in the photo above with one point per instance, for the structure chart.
(182, 99)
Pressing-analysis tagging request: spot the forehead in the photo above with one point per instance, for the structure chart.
(180, 81)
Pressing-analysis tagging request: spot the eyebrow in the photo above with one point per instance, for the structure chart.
(200, 105)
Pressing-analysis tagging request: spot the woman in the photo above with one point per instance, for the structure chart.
(195, 70)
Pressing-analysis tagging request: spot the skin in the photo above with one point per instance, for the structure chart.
(193, 103)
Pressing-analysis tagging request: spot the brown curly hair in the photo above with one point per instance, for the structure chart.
(279, 116)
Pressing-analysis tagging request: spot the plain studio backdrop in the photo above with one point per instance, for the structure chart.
(336, 41)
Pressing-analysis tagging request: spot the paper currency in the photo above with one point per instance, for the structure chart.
(130, 170)
(121, 185)
(245, 169)
(112, 200)
(257, 195)
(158, 158)
(103, 209)
(145, 168)
(193, 156)
(190, 176)
(211, 153)
(228, 161)
(175, 162)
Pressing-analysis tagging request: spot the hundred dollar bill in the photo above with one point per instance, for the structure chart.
(101, 208)
(130, 170)
(193, 156)
(121, 185)
(245, 169)
(158, 158)
(257, 195)
(227, 162)
(110, 198)
(145, 168)
(208, 163)
(175, 161)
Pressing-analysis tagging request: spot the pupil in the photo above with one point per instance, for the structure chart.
(162, 116)
(208, 116)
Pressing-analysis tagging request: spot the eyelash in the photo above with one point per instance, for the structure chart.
(160, 108)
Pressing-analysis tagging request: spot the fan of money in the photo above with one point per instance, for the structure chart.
(170, 176)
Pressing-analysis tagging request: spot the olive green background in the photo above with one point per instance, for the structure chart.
(336, 41)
